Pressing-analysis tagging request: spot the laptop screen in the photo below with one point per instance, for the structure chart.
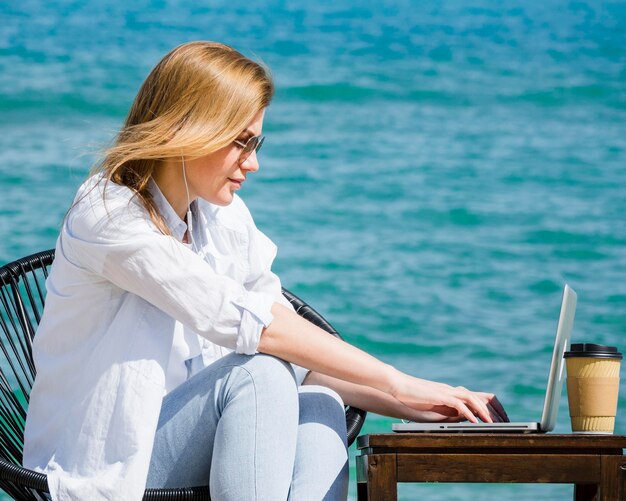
(561, 344)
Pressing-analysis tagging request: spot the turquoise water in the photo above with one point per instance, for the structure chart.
(432, 174)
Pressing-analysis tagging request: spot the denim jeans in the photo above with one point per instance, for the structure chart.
(244, 427)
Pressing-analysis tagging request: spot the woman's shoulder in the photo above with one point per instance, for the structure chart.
(99, 199)
(98, 187)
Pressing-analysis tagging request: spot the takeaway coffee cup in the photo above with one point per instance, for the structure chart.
(592, 386)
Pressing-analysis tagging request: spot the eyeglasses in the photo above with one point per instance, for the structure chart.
(252, 144)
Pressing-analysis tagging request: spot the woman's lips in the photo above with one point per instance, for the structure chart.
(236, 182)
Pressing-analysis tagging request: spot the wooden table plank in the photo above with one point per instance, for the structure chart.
(499, 468)
(496, 440)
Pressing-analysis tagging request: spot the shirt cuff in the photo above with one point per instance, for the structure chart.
(256, 315)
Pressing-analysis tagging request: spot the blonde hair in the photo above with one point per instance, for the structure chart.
(196, 100)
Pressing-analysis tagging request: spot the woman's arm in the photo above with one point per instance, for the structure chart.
(296, 340)
(372, 400)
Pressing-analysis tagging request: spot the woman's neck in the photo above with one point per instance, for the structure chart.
(168, 176)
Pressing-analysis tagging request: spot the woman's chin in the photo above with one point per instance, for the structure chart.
(222, 199)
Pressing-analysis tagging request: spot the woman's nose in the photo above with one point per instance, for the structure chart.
(251, 163)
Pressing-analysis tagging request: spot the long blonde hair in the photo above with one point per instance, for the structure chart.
(196, 100)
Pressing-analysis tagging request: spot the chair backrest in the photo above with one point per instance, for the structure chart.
(22, 296)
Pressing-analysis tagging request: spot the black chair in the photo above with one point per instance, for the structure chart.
(22, 297)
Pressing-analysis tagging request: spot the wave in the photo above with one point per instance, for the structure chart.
(558, 96)
(51, 104)
(562, 95)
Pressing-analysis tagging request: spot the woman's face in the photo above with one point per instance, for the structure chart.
(216, 177)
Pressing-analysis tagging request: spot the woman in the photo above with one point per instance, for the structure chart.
(165, 340)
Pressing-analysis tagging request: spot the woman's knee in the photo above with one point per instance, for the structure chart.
(319, 404)
(259, 378)
(271, 371)
(270, 379)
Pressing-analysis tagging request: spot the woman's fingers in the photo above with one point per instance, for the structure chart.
(476, 403)
(495, 404)
(462, 408)
(488, 405)
(462, 401)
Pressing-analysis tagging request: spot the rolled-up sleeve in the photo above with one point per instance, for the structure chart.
(255, 317)
(119, 243)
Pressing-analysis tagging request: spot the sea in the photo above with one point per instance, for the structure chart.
(433, 173)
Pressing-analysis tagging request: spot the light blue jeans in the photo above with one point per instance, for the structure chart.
(244, 427)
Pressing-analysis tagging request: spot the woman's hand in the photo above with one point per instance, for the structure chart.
(442, 402)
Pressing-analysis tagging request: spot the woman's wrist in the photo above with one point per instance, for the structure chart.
(393, 379)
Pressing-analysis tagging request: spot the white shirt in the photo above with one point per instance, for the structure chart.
(111, 340)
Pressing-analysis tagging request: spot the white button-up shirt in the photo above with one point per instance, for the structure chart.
(126, 307)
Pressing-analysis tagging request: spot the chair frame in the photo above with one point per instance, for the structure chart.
(22, 296)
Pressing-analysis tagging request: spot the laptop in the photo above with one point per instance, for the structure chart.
(553, 391)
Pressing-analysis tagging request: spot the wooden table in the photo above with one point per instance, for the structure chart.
(595, 464)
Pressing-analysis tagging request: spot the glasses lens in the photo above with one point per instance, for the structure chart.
(253, 144)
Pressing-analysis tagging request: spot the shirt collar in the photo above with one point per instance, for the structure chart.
(173, 220)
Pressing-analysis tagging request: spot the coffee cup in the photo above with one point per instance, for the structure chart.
(592, 386)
